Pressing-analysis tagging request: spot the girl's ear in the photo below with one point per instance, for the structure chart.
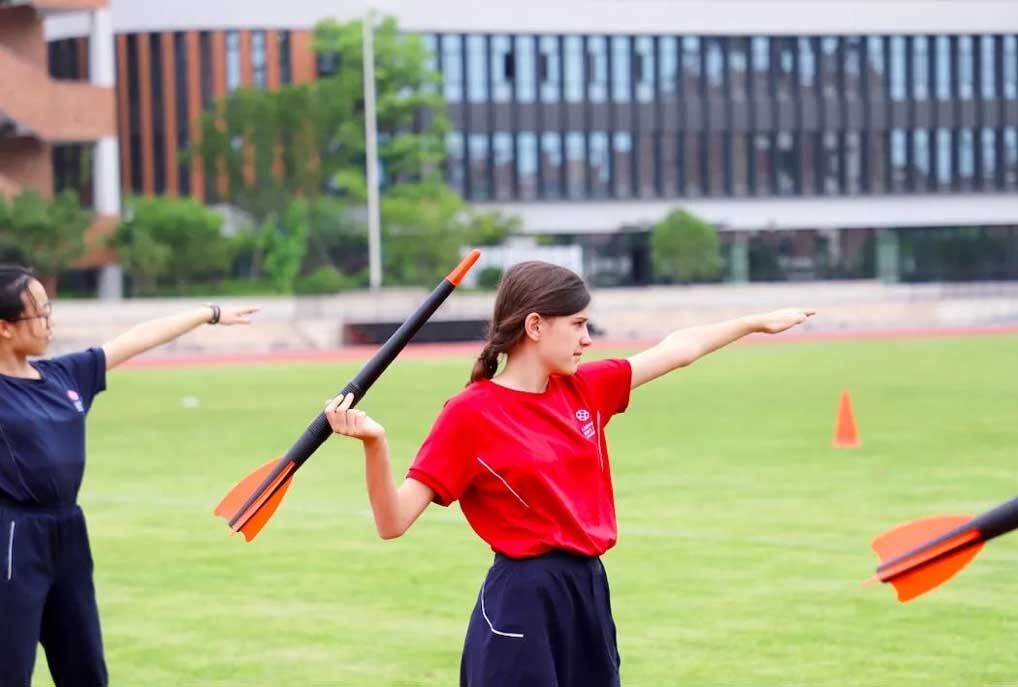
(532, 326)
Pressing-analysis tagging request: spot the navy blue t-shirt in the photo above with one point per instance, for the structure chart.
(42, 428)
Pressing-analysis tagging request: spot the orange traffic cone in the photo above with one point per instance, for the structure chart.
(845, 434)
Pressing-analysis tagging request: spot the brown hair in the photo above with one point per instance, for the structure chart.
(534, 286)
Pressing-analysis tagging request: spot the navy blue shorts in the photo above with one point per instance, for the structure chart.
(47, 595)
(542, 622)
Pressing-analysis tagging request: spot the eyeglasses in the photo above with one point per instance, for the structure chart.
(47, 313)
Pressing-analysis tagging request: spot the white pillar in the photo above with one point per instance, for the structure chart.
(105, 153)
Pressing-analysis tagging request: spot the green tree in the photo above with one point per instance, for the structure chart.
(424, 226)
(48, 234)
(685, 248)
(285, 242)
(307, 141)
(172, 240)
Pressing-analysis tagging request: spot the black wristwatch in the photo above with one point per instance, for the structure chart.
(216, 312)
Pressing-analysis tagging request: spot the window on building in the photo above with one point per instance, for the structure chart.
(852, 162)
(526, 69)
(622, 69)
(648, 153)
(921, 171)
(943, 55)
(574, 75)
(550, 63)
(692, 67)
(740, 143)
(693, 169)
(182, 116)
(526, 164)
(830, 169)
(285, 73)
(643, 68)
(1010, 161)
(668, 66)
(480, 180)
(714, 66)
(784, 67)
(854, 60)
(454, 160)
(945, 159)
(899, 160)
(988, 67)
(807, 63)
(477, 76)
(600, 164)
(966, 158)
(786, 163)
(670, 162)
(760, 54)
(762, 180)
(258, 76)
(551, 164)
(576, 165)
(503, 160)
(966, 68)
(920, 68)
(876, 64)
(622, 154)
(452, 68)
(989, 143)
(829, 67)
(1010, 72)
(503, 69)
(898, 75)
(738, 64)
(158, 122)
(232, 61)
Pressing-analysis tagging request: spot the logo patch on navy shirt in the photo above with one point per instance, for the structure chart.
(76, 400)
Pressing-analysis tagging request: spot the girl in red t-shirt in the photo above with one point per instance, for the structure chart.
(525, 455)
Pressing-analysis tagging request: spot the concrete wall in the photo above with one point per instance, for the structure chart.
(316, 323)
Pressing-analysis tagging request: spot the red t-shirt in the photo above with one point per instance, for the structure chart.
(531, 470)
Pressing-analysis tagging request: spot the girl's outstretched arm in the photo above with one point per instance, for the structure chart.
(685, 346)
(395, 509)
(147, 335)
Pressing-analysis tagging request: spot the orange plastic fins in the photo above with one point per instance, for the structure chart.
(456, 276)
(253, 519)
(922, 555)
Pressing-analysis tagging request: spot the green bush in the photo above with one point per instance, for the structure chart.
(489, 277)
(329, 280)
(684, 248)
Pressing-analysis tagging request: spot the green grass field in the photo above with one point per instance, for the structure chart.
(743, 536)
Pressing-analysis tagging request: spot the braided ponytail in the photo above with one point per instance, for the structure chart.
(528, 287)
(486, 364)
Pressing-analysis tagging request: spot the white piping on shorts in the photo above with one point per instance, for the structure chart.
(501, 479)
(10, 553)
(484, 612)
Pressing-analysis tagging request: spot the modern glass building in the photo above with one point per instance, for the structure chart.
(822, 138)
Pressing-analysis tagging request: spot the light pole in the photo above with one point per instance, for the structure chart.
(371, 151)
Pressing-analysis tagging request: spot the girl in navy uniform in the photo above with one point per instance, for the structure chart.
(525, 454)
(46, 589)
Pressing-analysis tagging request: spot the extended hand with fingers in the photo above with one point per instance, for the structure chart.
(351, 422)
(236, 315)
(780, 320)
